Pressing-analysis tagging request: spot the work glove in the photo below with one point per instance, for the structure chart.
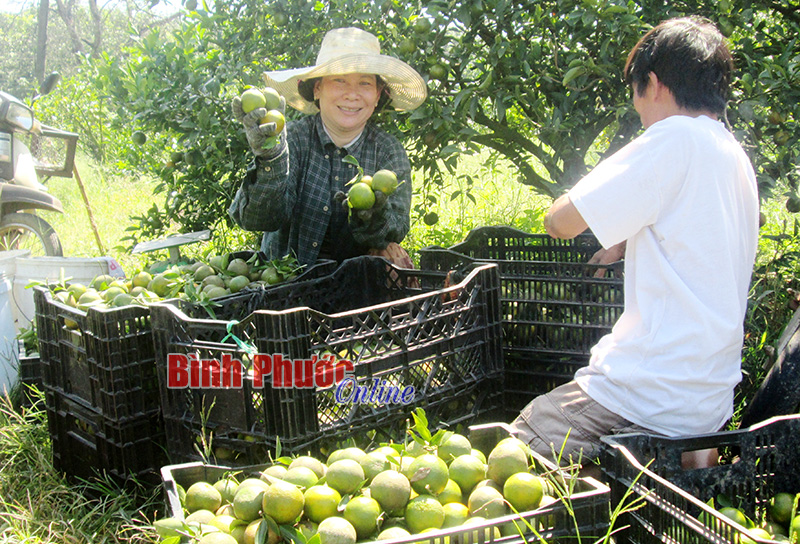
(262, 142)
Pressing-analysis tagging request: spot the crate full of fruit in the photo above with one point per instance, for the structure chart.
(484, 486)
(320, 360)
(97, 360)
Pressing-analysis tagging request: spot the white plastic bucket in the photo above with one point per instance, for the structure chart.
(8, 265)
(9, 346)
(53, 269)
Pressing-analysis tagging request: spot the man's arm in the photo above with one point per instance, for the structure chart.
(563, 219)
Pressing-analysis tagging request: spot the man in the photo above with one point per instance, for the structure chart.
(680, 202)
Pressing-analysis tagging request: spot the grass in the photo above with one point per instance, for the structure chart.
(37, 503)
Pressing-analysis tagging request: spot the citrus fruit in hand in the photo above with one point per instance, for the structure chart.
(274, 116)
(384, 181)
(272, 98)
(253, 99)
(360, 196)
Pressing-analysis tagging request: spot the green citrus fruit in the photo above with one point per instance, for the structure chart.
(391, 489)
(467, 471)
(274, 116)
(424, 512)
(360, 196)
(505, 459)
(453, 446)
(524, 491)
(384, 181)
(486, 501)
(407, 46)
(450, 493)
(780, 507)
(302, 477)
(336, 530)
(422, 25)
(735, 514)
(393, 533)
(321, 502)
(202, 495)
(363, 512)
(247, 501)
(227, 488)
(283, 502)
(139, 137)
(253, 99)
(272, 99)
(455, 514)
(428, 474)
(345, 476)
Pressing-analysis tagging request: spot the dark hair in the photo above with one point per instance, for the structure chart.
(306, 89)
(688, 55)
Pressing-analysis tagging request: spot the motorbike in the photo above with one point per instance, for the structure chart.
(28, 151)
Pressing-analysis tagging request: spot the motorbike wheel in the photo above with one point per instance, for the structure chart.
(28, 231)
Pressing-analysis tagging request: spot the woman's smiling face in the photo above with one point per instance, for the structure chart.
(346, 102)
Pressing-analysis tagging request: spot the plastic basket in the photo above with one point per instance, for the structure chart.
(442, 341)
(85, 445)
(553, 311)
(500, 242)
(673, 500)
(104, 361)
(589, 502)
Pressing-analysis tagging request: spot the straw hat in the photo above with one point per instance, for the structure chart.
(352, 51)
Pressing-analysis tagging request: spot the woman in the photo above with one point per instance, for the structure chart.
(289, 192)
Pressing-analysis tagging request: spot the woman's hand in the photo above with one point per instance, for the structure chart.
(258, 135)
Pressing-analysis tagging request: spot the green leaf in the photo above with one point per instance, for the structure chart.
(572, 73)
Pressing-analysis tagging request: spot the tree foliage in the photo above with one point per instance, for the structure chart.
(537, 82)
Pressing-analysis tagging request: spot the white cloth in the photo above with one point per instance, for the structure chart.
(684, 196)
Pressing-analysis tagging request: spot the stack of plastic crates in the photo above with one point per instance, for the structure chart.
(555, 306)
(101, 389)
(402, 331)
(671, 502)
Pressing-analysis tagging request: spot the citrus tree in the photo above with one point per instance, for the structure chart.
(536, 82)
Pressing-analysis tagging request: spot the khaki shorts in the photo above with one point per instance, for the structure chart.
(566, 424)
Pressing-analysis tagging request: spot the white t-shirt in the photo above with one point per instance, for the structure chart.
(684, 196)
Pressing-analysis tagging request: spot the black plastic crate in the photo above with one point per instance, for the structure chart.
(85, 445)
(501, 242)
(443, 341)
(760, 462)
(553, 311)
(104, 360)
(589, 503)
